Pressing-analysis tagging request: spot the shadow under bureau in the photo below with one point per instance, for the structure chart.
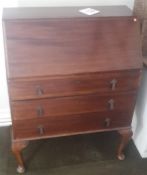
(69, 73)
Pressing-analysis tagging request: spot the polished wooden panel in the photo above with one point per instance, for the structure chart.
(73, 85)
(70, 124)
(64, 12)
(69, 73)
(15, 28)
(69, 46)
(71, 105)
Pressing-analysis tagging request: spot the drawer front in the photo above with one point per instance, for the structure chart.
(71, 124)
(74, 85)
(71, 105)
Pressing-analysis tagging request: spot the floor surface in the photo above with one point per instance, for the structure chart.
(91, 154)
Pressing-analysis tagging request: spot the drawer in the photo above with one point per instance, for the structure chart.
(71, 105)
(22, 89)
(71, 124)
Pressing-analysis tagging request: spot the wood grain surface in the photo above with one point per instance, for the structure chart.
(71, 46)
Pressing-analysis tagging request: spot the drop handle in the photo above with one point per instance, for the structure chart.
(111, 104)
(113, 83)
(41, 129)
(39, 90)
(40, 111)
(107, 122)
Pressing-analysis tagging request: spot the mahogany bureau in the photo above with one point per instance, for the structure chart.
(69, 73)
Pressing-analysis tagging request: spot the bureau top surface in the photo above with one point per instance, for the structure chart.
(62, 12)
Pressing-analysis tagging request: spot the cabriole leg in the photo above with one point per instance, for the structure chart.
(17, 147)
(125, 136)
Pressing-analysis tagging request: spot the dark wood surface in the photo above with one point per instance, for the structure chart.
(70, 124)
(17, 147)
(69, 74)
(71, 105)
(125, 136)
(62, 12)
(36, 88)
(71, 46)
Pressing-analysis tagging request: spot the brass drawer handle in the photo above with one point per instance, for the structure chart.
(113, 83)
(40, 111)
(39, 90)
(41, 129)
(111, 104)
(107, 122)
